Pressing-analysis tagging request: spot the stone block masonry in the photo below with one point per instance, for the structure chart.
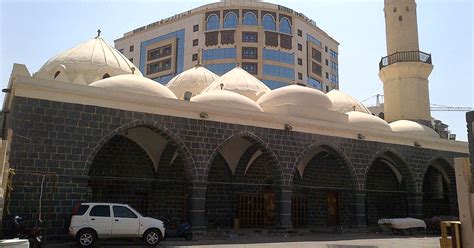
(65, 139)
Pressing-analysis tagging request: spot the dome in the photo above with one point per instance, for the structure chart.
(134, 84)
(344, 103)
(227, 99)
(86, 63)
(365, 120)
(240, 81)
(413, 128)
(193, 80)
(300, 101)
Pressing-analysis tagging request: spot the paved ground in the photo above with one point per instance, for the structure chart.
(258, 239)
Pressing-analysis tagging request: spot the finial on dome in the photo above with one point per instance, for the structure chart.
(198, 64)
(237, 64)
(98, 33)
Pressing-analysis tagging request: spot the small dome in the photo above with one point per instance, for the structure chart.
(134, 84)
(228, 99)
(193, 80)
(86, 63)
(240, 81)
(344, 103)
(414, 128)
(365, 120)
(300, 101)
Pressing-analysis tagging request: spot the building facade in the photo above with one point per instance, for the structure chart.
(274, 43)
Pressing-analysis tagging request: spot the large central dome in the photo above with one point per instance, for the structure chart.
(86, 63)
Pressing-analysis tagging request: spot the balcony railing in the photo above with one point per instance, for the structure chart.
(410, 56)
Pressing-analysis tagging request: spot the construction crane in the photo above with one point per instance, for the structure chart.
(433, 107)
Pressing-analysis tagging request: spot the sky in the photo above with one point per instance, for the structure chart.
(33, 31)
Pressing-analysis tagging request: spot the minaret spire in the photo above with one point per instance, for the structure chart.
(405, 70)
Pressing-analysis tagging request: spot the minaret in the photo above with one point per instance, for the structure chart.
(405, 70)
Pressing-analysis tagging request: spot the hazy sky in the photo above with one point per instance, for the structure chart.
(34, 31)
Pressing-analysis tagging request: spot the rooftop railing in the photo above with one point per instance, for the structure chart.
(410, 56)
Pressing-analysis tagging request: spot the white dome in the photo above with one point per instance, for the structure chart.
(134, 84)
(240, 81)
(365, 120)
(228, 99)
(86, 63)
(344, 103)
(413, 128)
(300, 101)
(194, 80)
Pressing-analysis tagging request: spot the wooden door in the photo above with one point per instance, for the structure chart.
(332, 204)
(269, 215)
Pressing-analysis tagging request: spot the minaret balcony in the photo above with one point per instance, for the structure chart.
(408, 56)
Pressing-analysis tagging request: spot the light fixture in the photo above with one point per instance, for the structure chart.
(360, 136)
(204, 115)
(6, 90)
(417, 144)
(288, 127)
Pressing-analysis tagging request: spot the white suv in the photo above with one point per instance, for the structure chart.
(91, 221)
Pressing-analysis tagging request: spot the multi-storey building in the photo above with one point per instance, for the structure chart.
(276, 44)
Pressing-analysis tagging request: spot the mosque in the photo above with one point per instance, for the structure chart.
(225, 151)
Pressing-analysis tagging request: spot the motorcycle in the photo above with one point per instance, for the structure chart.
(34, 235)
(172, 229)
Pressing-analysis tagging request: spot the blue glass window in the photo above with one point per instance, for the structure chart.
(333, 54)
(334, 79)
(279, 56)
(315, 83)
(220, 53)
(220, 69)
(285, 26)
(250, 19)
(212, 22)
(230, 20)
(268, 22)
(314, 40)
(273, 84)
(334, 66)
(278, 71)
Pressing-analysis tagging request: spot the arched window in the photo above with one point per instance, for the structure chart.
(250, 19)
(212, 22)
(106, 75)
(56, 74)
(230, 20)
(269, 22)
(285, 26)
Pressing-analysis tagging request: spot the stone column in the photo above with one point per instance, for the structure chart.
(284, 201)
(197, 205)
(360, 197)
(415, 205)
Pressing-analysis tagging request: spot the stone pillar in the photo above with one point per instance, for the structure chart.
(360, 197)
(284, 203)
(415, 205)
(197, 205)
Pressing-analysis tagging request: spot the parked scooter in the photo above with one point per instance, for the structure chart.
(34, 236)
(172, 229)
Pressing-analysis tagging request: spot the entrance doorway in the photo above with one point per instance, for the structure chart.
(332, 203)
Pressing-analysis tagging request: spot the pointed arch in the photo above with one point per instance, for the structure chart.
(183, 151)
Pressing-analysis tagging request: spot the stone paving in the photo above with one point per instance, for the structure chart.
(299, 240)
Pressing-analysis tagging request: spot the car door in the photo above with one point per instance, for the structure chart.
(101, 220)
(125, 222)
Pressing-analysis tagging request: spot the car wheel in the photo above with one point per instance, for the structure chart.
(86, 238)
(152, 237)
(188, 235)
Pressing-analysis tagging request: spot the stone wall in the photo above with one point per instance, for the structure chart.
(63, 139)
(470, 134)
